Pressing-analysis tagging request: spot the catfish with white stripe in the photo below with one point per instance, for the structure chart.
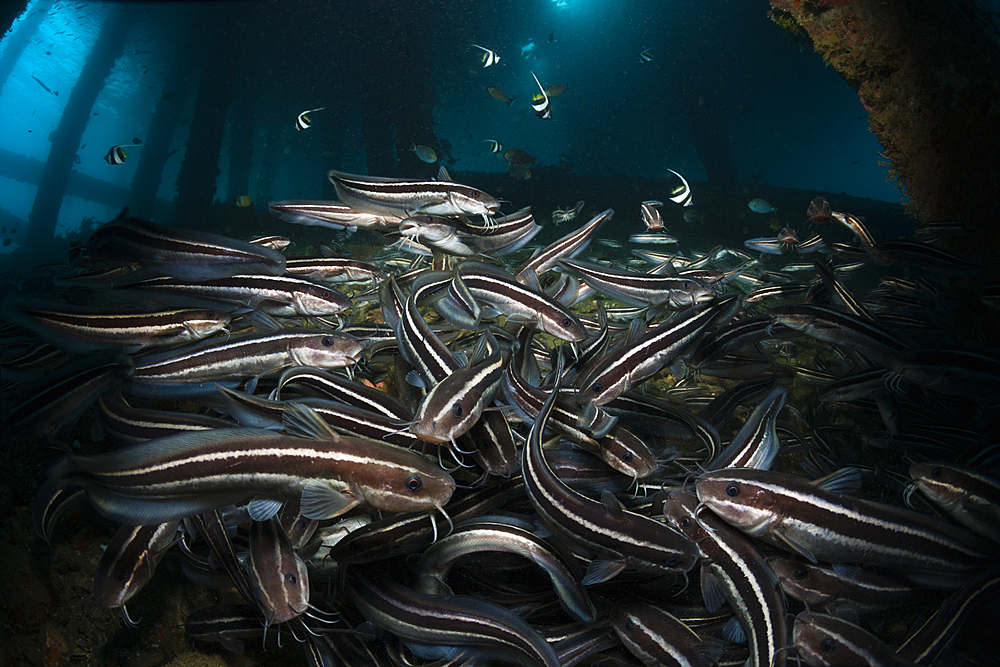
(508, 233)
(124, 424)
(525, 305)
(455, 620)
(570, 245)
(970, 497)
(181, 253)
(756, 444)
(78, 329)
(831, 588)
(839, 328)
(193, 370)
(454, 404)
(828, 641)
(657, 637)
(641, 289)
(733, 569)
(277, 576)
(621, 369)
(181, 475)
(620, 539)
(281, 296)
(333, 269)
(128, 563)
(402, 197)
(816, 521)
(332, 214)
(496, 534)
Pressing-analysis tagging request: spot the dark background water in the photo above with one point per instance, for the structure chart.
(729, 99)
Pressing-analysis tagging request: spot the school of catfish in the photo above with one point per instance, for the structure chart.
(701, 458)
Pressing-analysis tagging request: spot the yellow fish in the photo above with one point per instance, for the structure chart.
(243, 201)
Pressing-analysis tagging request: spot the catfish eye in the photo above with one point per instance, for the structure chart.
(627, 457)
(414, 483)
(685, 522)
(326, 294)
(936, 472)
(210, 315)
(457, 410)
(565, 322)
(291, 578)
(596, 388)
(474, 194)
(327, 341)
(627, 627)
(800, 573)
(732, 489)
(827, 646)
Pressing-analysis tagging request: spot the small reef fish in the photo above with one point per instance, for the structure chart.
(497, 93)
(490, 57)
(540, 103)
(555, 90)
(521, 172)
(530, 46)
(424, 153)
(117, 154)
(561, 215)
(682, 193)
(517, 156)
(692, 216)
(495, 146)
(243, 201)
(758, 205)
(646, 56)
(304, 122)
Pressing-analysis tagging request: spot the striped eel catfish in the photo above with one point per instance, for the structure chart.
(641, 289)
(401, 197)
(828, 641)
(619, 538)
(494, 286)
(816, 521)
(621, 369)
(181, 253)
(568, 246)
(193, 370)
(835, 587)
(657, 637)
(756, 444)
(455, 620)
(332, 214)
(495, 534)
(85, 330)
(128, 563)
(181, 475)
(277, 576)
(733, 569)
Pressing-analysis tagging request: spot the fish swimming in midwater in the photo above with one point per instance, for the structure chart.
(495, 146)
(646, 56)
(490, 57)
(540, 103)
(819, 210)
(424, 153)
(521, 172)
(682, 193)
(758, 205)
(118, 154)
(555, 90)
(497, 93)
(304, 122)
(517, 156)
(243, 201)
(44, 86)
(530, 46)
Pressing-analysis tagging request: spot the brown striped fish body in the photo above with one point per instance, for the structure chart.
(178, 476)
(129, 561)
(828, 641)
(657, 637)
(814, 521)
(277, 576)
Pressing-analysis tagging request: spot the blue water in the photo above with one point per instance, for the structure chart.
(788, 119)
